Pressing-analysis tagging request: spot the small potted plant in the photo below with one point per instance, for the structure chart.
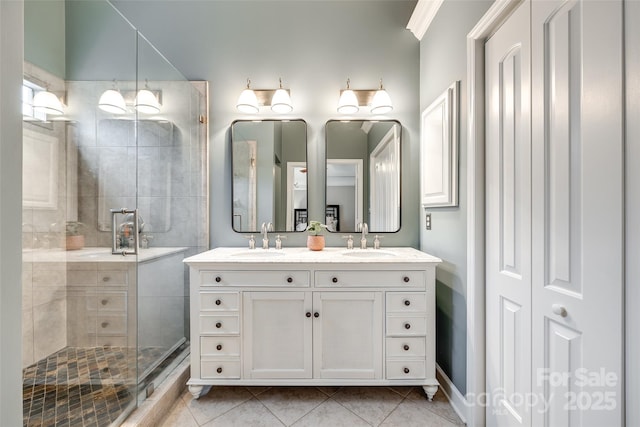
(75, 238)
(315, 240)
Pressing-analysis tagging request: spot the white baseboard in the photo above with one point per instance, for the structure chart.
(457, 400)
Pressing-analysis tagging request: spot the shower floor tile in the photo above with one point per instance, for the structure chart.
(82, 386)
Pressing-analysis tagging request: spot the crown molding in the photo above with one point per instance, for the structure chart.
(422, 16)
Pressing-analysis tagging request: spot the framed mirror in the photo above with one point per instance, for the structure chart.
(269, 166)
(363, 175)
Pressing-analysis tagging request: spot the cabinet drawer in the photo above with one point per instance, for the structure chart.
(220, 346)
(112, 278)
(254, 278)
(220, 368)
(406, 347)
(406, 325)
(219, 324)
(386, 278)
(219, 301)
(406, 302)
(112, 301)
(405, 369)
(111, 324)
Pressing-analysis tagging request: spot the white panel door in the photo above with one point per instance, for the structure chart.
(578, 166)
(384, 175)
(347, 335)
(508, 221)
(277, 334)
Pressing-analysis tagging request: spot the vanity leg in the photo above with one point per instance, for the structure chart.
(430, 390)
(196, 391)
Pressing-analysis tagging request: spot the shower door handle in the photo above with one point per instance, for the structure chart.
(114, 237)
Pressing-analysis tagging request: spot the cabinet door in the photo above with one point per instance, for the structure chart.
(347, 334)
(277, 334)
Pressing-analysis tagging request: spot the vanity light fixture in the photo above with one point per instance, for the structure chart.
(146, 101)
(248, 102)
(281, 101)
(381, 103)
(47, 102)
(112, 101)
(251, 100)
(348, 102)
(377, 99)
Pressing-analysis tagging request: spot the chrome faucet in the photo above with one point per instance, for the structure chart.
(364, 228)
(264, 229)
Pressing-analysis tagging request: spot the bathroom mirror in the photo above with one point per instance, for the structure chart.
(363, 175)
(269, 166)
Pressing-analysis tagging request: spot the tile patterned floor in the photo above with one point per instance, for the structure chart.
(81, 386)
(313, 407)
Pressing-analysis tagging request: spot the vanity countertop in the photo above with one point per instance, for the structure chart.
(303, 255)
(95, 255)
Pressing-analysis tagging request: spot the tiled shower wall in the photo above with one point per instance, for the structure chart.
(169, 158)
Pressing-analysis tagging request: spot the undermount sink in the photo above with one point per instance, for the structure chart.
(369, 253)
(257, 253)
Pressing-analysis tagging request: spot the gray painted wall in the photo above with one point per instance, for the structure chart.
(11, 48)
(314, 46)
(443, 60)
(44, 35)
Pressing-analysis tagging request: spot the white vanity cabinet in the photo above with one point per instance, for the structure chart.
(297, 317)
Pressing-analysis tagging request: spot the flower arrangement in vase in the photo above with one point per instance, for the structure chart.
(315, 240)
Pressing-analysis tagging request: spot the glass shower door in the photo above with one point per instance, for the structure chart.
(172, 200)
(101, 330)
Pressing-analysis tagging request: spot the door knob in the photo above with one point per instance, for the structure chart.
(559, 310)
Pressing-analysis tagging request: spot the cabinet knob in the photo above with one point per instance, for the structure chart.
(559, 310)
(218, 279)
(406, 279)
(104, 324)
(334, 279)
(219, 347)
(407, 325)
(104, 301)
(218, 302)
(316, 314)
(106, 278)
(289, 279)
(219, 325)
(308, 314)
(406, 347)
(406, 370)
(219, 370)
(407, 302)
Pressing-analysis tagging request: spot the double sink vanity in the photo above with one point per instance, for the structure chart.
(335, 317)
(292, 316)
